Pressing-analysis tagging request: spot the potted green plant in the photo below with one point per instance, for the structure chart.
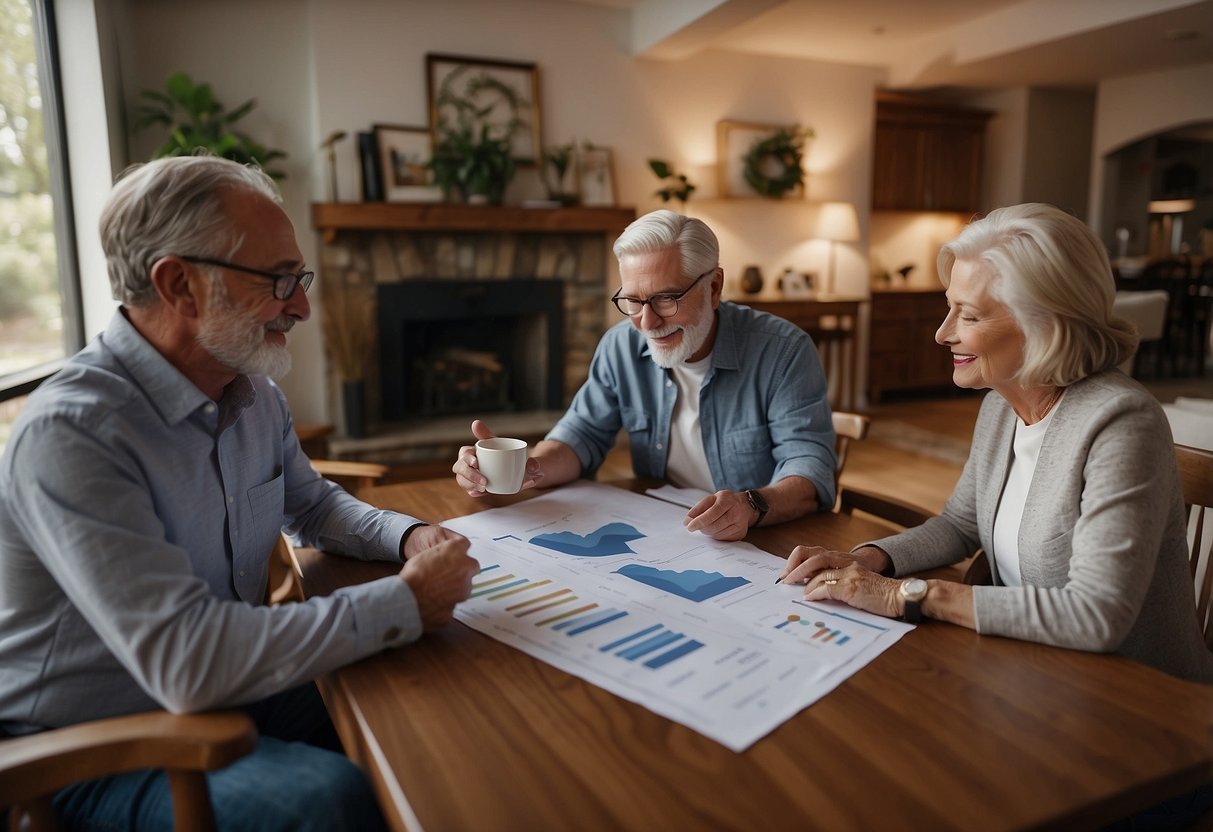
(558, 158)
(674, 185)
(472, 157)
(195, 119)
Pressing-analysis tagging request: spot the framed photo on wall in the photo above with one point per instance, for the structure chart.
(596, 176)
(483, 91)
(403, 154)
(778, 170)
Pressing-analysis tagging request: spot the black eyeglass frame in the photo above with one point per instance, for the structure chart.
(303, 278)
(661, 298)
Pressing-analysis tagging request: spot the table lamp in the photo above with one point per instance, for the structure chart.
(1170, 228)
(838, 223)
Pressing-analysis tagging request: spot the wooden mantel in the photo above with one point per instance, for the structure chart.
(330, 218)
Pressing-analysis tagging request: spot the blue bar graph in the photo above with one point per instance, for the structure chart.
(632, 637)
(499, 587)
(649, 645)
(588, 622)
(689, 646)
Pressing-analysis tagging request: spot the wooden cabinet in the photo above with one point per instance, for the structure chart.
(927, 155)
(902, 353)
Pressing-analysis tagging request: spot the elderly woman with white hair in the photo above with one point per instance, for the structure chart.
(1070, 487)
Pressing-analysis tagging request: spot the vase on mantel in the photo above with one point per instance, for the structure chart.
(353, 405)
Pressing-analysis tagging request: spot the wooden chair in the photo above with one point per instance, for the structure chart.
(907, 515)
(1196, 478)
(848, 427)
(33, 768)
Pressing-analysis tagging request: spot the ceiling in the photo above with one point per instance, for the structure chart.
(940, 43)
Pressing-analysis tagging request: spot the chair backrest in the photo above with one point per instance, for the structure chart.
(1148, 312)
(847, 427)
(1196, 478)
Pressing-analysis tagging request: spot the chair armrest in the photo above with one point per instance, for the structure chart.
(888, 508)
(41, 764)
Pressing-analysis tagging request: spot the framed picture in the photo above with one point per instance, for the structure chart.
(735, 140)
(596, 176)
(796, 286)
(403, 153)
(480, 91)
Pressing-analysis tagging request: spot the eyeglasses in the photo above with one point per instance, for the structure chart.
(284, 284)
(663, 306)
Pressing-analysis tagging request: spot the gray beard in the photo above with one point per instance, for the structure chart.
(235, 338)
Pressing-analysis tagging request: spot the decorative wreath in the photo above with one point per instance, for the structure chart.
(772, 167)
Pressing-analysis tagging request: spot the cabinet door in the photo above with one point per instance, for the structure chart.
(897, 167)
(952, 169)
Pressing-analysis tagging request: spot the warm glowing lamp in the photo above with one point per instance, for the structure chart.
(837, 222)
(1171, 226)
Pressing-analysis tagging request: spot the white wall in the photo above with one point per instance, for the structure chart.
(1131, 108)
(331, 65)
(1058, 165)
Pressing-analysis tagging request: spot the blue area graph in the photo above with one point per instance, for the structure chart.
(611, 539)
(693, 584)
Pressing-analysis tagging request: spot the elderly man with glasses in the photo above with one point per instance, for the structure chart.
(142, 490)
(714, 396)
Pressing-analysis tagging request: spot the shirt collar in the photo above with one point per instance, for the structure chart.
(173, 395)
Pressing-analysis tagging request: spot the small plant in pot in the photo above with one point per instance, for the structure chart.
(558, 159)
(472, 155)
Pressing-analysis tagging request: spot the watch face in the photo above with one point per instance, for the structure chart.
(914, 589)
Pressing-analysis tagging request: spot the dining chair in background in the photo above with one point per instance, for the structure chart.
(848, 427)
(1196, 476)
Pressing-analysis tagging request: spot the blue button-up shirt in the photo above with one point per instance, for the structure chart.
(136, 520)
(763, 411)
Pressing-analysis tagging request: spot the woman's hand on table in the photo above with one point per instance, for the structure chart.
(851, 577)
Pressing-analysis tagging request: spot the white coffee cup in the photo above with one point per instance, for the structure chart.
(503, 463)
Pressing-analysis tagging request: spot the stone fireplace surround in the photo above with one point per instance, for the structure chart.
(370, 244)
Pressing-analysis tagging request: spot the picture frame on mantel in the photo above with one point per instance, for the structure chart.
(734, 142)
(596, 177)
(403, 154)
(521, 78)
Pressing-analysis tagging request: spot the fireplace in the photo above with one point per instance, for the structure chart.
(470, 346)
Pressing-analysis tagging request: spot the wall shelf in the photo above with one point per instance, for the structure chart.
(331, 218)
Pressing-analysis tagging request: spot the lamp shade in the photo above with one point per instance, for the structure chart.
(835, 221)
(1171, 206)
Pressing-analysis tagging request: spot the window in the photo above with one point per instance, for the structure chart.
(40, 319)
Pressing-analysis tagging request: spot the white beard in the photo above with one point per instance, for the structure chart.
(693, 336)
(235, 338)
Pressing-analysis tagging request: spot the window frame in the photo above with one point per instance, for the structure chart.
(23, 382)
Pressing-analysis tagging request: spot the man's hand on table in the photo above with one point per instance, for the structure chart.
(440, 577)
(423, 537)
(725, 515)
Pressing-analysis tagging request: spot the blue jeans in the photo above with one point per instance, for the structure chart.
(295, 779)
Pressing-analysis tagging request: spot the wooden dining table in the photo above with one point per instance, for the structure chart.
(946, 729)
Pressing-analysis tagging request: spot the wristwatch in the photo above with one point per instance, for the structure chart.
(912, 592)
(758, 503)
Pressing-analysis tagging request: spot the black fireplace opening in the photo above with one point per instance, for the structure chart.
(470, 346)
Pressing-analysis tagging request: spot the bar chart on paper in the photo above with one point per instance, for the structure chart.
(609, 586)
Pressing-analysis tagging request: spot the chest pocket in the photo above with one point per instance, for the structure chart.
(749, 441)
(254, 536)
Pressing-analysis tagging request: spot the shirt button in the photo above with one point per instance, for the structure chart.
(230, 499)
(210, 407)
(241, 573)
(391, 635)
(659, 446)
(669, 383)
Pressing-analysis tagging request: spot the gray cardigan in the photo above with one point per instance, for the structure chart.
(1102, 544)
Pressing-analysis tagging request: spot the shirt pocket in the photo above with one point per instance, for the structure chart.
(639, 426)
(755, 441)
(256, 538)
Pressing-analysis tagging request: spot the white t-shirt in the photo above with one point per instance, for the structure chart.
(687, 463)
(1025, 453)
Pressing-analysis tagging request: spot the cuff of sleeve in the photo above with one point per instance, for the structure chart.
(385, 614)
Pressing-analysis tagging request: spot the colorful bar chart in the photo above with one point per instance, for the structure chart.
(823, 633)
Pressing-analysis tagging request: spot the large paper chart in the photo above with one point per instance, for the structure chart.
(608, 585)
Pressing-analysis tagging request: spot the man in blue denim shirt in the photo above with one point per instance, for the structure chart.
(141, 492)
(713, 395)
